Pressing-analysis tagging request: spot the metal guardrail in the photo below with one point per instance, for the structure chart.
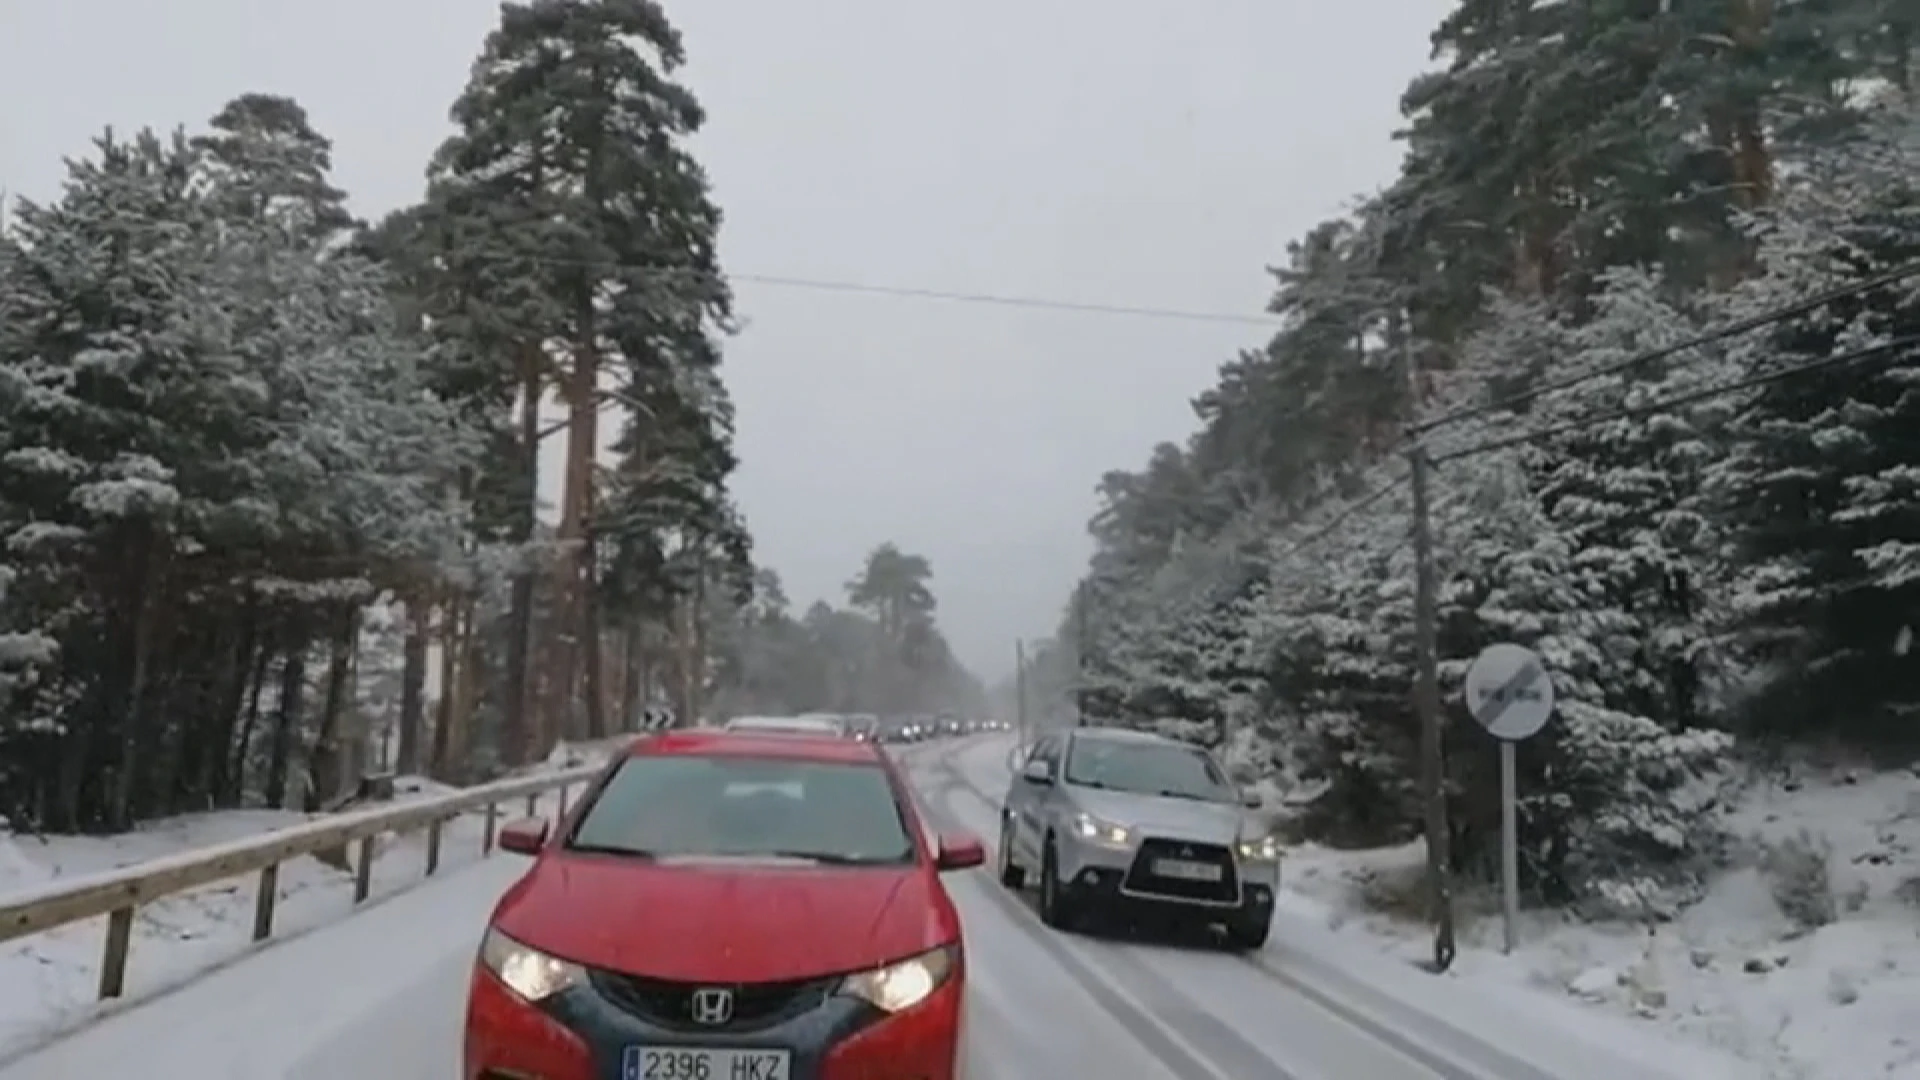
(117, 893)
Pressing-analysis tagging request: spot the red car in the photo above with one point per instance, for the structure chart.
(727, 906)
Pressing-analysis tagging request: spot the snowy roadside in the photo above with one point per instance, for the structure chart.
(1752, 969)
(1320, 926)
(48, 981)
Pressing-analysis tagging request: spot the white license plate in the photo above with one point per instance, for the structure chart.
(1187, 871)
(701, 1063)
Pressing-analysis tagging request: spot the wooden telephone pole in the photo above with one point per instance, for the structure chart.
(1080, 655)
(1020, 692)
(1426, 691)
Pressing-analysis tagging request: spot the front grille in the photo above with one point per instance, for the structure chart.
(670, 1004)
(1142, 879)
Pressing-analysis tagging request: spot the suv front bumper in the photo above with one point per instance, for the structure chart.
(1104, 875)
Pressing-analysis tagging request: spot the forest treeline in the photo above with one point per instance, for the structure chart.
(269, 501)
(1717, 551)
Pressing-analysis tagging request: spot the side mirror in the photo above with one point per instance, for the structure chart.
(1251, 800)
(960, 851)
(524, 837)
(1036, 772)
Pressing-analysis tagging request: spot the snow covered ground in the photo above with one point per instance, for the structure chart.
(48, 982)
(1745, 970)
(1740, 972)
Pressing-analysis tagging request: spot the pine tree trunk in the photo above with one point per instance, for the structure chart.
(516, 737)
(217, 750)
(413, 683)
(286, 724)
(443, 709)
(257, 685)
(326, 775)
(134, 723)
(590, 640)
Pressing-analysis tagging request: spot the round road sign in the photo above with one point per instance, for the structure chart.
(1509, 691)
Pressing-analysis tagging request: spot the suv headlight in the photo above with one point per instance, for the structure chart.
(526, 971)
(902, 985)
(1090, 828)
(1264, 849)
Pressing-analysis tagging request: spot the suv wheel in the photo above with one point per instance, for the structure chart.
(1056, 909)
(1012, 875)
(1248, 935)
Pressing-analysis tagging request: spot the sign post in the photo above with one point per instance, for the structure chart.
(1510, 693)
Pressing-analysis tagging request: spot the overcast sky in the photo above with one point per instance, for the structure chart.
(1117, 152)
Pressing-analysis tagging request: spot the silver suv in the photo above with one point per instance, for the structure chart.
(1110, 819)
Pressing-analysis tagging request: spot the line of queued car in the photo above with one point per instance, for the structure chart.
(868, 727)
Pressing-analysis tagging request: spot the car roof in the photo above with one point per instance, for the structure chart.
(760, 744)
(782, 723)
(1127, 735)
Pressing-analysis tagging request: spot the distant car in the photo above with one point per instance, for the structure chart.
(1108, 820)
(727, 905)
(792, 725)
(863, 728)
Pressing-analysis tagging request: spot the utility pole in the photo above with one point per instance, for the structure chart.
(1426, 698)
(1020, 691)
(1426, 691)
(1080, 655)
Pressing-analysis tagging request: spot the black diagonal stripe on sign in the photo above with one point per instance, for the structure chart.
(1508, 694)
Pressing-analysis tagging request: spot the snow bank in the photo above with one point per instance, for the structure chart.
(1749, 970)
(48, 981)
(380, 995)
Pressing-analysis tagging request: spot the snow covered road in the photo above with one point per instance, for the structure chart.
(381, 994)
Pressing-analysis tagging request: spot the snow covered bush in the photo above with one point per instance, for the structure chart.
(1799, 874)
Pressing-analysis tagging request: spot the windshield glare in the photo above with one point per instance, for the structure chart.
(1148, 769)
(691, 805)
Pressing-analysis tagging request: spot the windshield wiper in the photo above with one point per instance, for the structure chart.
(1169, 793)
(614, 849)
(834, 858)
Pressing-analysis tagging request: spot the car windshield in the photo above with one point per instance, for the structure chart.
(681, 805)
(1147, 769)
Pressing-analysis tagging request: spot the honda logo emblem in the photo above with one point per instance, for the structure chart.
(712, 1006)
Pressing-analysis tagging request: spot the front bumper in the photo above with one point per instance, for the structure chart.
(1118, 875)
(583, 1034)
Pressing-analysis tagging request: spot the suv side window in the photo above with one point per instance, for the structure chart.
(1048, 750)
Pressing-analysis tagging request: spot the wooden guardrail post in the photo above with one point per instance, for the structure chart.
(363, 871)
(492, 826)
(433, 846)
(263, 900)
(113, 964)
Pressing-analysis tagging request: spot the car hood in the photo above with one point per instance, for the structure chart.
(1180, 819)
(724, 921)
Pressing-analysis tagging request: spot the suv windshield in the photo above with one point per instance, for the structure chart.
(1147, 769)
(691, 805)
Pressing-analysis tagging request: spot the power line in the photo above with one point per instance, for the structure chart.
(1733, 329)
(790, 281)
(1340, 519)
(1703, 394)
(871, 289)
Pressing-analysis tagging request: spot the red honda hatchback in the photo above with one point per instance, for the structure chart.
(727, 906)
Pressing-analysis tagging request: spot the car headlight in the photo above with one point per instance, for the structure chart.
(527, 971)
(1265, 849)
(1088, 827)
(902, 985)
